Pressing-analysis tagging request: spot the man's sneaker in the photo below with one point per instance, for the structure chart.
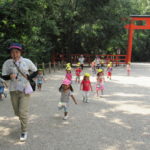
(23, 136)
(65, 118)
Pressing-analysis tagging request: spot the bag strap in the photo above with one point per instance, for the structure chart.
(20, 71)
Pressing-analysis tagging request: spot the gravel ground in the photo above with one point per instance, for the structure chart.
(119, 120)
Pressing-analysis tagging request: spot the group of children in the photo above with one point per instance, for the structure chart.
(85, 85)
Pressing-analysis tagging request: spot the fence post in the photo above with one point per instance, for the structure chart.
(43, 67)
(54, 66)
(36, 64)
(62, 64)
(58, 65)
(49, 67)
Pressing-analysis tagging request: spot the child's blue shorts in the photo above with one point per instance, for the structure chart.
(1, 89)
(63, 106)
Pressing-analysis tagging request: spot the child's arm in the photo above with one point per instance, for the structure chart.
(81, 86)
(104, 78)
(6, 85)
(44, 79)
(91, 87)
(74, 99)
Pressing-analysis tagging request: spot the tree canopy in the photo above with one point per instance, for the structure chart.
(46, 27)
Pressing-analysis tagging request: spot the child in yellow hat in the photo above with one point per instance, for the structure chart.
(78, 72)
(109, 71)
(68, 74)
(100, 82)
(85, 86)
(93, 67)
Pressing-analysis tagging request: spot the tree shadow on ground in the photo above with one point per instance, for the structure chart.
(117, 121)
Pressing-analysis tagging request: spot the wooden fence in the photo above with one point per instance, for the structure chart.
(50, 67)
(73, 58)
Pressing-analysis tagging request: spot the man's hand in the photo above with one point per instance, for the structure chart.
(12, 76)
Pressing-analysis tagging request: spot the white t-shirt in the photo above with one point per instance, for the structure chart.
(97, 61)
(65, 96)
(24, 65)
(81, 60)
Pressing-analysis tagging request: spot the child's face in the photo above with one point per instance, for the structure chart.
(15, 54)
(65, 87)
(101, 73)
(40, 72)
(68, 71)
(86, 78)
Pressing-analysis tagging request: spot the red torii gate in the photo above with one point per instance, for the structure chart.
(131, 27)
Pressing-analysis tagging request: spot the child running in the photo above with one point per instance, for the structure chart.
(78, 71)
(3, 84)
(40, 79)
(68, 74)
(66, 91)
(85, 86)
(109, 71)
(100, 82)
(93, 67)
(128, 69)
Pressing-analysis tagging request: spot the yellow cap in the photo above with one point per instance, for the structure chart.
(108, 65)
(68, 68)
(100, 70)
(87, 75)
(78, 64)
(68, 64)
(40, 69)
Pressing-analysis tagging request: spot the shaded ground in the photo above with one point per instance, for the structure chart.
(120, 120)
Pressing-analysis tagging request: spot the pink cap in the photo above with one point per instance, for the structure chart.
(66, 82)
(17, 47)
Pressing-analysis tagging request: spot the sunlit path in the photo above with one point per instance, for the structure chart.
(120, 120)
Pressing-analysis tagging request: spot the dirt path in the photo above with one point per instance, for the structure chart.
(120, 120)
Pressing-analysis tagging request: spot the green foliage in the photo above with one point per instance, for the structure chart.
(46, 27)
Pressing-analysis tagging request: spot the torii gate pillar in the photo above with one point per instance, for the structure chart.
(131, 27)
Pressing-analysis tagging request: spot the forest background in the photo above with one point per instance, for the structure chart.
(46, 27)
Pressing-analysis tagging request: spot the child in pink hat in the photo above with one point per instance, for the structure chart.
(66, 91)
